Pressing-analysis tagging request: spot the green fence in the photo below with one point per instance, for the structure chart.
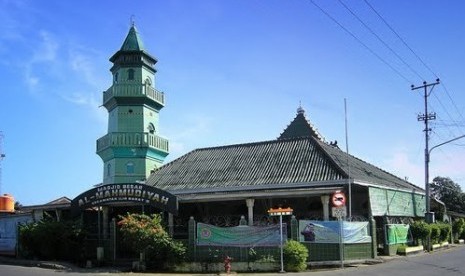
(317, 251)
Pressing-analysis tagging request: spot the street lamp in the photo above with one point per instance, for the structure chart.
(280, 212)
(429, 215)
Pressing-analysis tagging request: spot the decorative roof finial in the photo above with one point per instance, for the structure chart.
(132, 20)
(300, 110)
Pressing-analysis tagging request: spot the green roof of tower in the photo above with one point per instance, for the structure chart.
(133, 41)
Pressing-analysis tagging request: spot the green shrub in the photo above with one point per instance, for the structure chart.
(420, 231)
(295, 256)
(145, 234)
(435, 233)
(458, 227)
(445, 231)
(51, 240)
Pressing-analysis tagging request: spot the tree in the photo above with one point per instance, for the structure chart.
(146, 234)
(449, 192)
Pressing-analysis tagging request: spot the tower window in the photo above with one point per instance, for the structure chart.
(148, 81)
(109, 170)
(115, 78)
(130, 168)
(151, 128)
(130, 74)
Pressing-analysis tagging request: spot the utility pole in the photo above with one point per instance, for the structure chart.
(429, 216)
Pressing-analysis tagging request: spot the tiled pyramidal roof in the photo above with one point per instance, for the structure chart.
(300, 127)
(299, 155)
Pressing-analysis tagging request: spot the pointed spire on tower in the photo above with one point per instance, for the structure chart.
(133, 42)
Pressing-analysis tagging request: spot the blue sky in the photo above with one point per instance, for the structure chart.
(233, 71)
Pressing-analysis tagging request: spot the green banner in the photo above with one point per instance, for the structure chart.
(397, 233)
(240, 236)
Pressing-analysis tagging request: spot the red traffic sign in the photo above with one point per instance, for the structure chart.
(338, 199)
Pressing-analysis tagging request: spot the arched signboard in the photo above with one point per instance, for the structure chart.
(123, 193)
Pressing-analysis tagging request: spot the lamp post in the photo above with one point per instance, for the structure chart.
(280, 212)
(430, 215)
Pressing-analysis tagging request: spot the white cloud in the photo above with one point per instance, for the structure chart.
(42, 62)
(442, 163)
(31, 81)
(81, 62)
(448, 162)
(401, 164)
(47, 50)
(177, 149)
(184, 139)
(80, 99)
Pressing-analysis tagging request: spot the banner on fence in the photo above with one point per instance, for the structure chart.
(329, 231)
(397, 233)
(240, 236)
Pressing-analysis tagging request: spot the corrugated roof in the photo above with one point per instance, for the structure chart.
(271, 162)
(299, 155)
(362, 171)
(299, 160)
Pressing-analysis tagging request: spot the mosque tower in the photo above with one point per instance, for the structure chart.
(132, 148)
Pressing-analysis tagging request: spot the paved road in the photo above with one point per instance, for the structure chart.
(449, 262)
(444, 263)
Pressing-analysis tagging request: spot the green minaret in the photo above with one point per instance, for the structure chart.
(132, 147)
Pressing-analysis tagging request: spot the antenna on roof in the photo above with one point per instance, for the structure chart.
(348, 162)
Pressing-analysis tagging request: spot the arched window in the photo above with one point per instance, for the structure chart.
(108, 170)
(151, 128)
(129, 168)
(148, 81)
(115, 78)
(130, 74)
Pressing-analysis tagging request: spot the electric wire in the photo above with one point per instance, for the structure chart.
(380, 39)
(420, 59)
(360, 41)
(447, 112)
(400, 38)
(455, 123)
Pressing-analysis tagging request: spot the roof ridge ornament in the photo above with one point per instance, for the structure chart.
(300, 110)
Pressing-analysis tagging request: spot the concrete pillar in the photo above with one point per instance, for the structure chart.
(325, 202)
(374, 242)
(170, 224)
(294, 229)
(191, 248)
(250, 203)
(105, 221)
